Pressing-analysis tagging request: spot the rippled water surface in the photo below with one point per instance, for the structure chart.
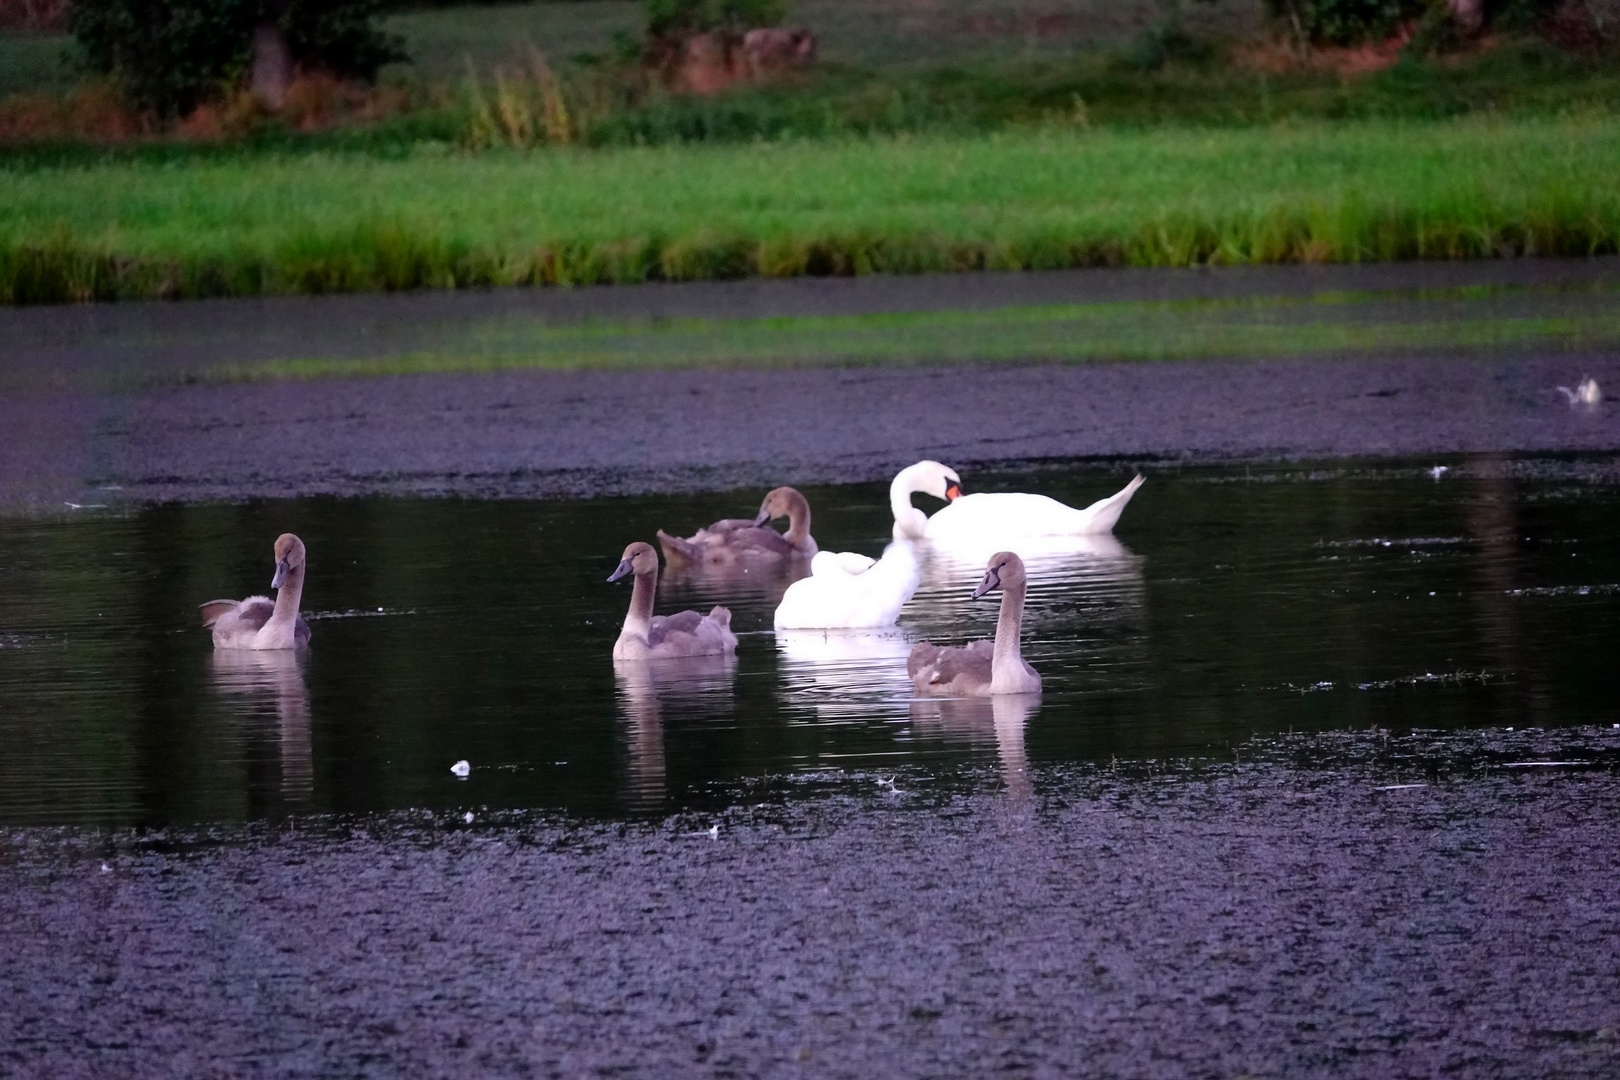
(1233, 602)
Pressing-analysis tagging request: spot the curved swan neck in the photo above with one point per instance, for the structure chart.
(639, 620)
(798, 520)
(908, 520)
(1008, 656)
(290, 595)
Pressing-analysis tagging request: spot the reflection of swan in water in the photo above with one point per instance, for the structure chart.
(645, 686)
(740, 587)
(274, 675)
(846, 672)
(1098, 573)
(978, 721)
(967, 557)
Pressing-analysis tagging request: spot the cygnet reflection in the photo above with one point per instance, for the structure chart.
(646, 688)
(1062, 571)
(979, 721)
(743, 589)
(846, 674)
(272, 677)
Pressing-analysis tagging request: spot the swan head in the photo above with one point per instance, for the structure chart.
(930, 478)
(1006, 571)
(289, 557)
(780, 502)
(638, 558)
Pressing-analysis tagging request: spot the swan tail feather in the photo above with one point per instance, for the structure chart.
(1103, 515)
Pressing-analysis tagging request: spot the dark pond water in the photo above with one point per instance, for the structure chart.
(1234, 602)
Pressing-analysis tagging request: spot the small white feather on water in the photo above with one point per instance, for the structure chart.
(461, 768)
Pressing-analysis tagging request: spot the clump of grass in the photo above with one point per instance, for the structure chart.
(1045, 200)
(531, 105)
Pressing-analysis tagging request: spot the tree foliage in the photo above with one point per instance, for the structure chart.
(169, 56)
(673, 20)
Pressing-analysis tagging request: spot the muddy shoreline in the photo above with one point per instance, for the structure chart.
(1260, 920)
(537, 434)
(585, 434)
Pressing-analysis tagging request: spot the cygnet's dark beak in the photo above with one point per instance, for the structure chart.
(281, 574)
(762, 517)
(991, 583)
(953, 493)
(624, 570)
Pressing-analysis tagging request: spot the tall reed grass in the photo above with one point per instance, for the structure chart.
(1030, 200)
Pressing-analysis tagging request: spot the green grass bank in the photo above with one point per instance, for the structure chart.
(1031, 199)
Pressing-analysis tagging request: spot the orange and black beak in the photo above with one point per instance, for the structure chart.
(953, 493)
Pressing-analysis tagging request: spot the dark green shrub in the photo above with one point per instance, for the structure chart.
(169, 56)
(1345, 22)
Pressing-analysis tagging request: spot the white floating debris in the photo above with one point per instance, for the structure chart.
(105, 869)
(467, 817)
(1399, 787)
(461, 768)
(1543, 764)
(1439, 470)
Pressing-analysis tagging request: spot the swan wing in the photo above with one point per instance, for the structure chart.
(689, 633)
(212, 610)
(830, 563)
(1006, 514)
(933, 666)
(677, 550)
(243, 616)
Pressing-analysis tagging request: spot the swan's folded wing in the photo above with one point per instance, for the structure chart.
(212, 610)
(663, 627)
(728, 525)
(301, 632)
(946, 666)
(255, 611)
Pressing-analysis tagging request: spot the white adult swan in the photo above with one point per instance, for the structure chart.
(1003, 515)
(258, 623)
(739, 540)
(846, 589)
(981, 669)
(646, 636)
(1586, 395)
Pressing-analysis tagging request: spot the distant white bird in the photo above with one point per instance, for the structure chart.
(1587, 393)
(461, 769)
(1439, 470)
